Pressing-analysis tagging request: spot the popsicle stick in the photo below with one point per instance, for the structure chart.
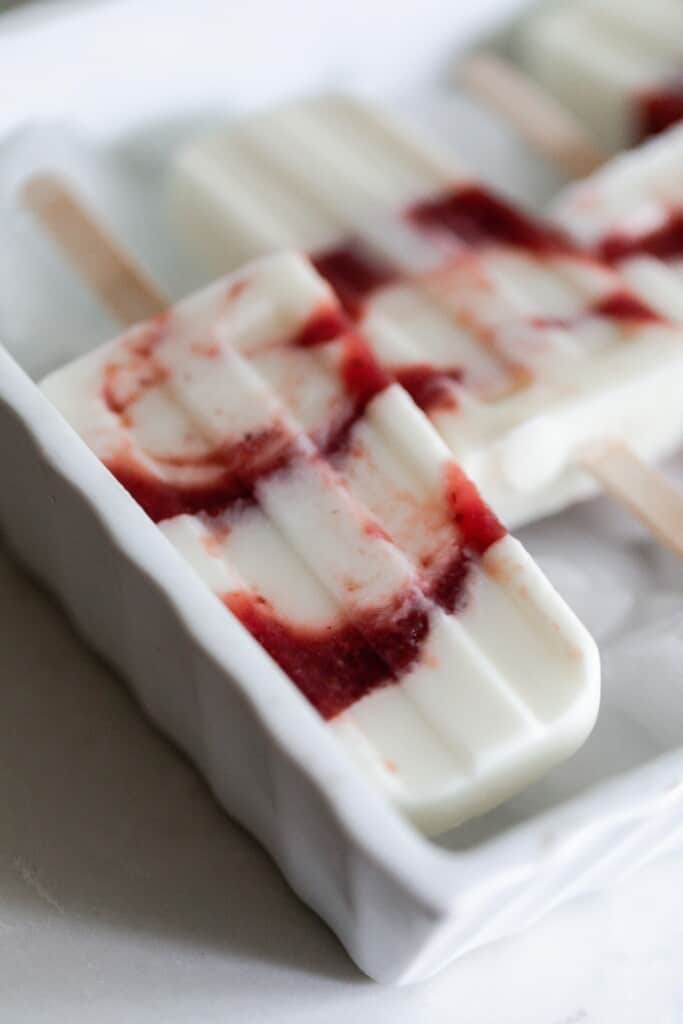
(123, 287)
(129, 294)
(640, 488)
(543, 122)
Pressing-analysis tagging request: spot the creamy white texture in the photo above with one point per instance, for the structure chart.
(547, 366)
(350, 543)
(597, 56)
(635, 203)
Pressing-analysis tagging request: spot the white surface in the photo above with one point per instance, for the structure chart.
(126, 895)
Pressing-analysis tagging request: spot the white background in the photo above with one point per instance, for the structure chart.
(125, 894)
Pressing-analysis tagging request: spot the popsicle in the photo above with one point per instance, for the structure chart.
(630, 212)
(316, 501)
(617, 64)
(523, 349)
(550, 128)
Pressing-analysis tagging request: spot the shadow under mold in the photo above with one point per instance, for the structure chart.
(103, 820)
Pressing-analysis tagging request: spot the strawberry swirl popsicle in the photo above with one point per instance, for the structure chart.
(523, 348)
(616, 64)
(630, 213)
(256, 427)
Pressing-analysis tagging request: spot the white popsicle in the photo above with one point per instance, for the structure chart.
(617, 64)
(523, 350)
(317, 502)
(630, 212)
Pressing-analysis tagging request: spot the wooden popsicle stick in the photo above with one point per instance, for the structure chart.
(545, 124)
(641, 489)
(128, 293)
(113, 275)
